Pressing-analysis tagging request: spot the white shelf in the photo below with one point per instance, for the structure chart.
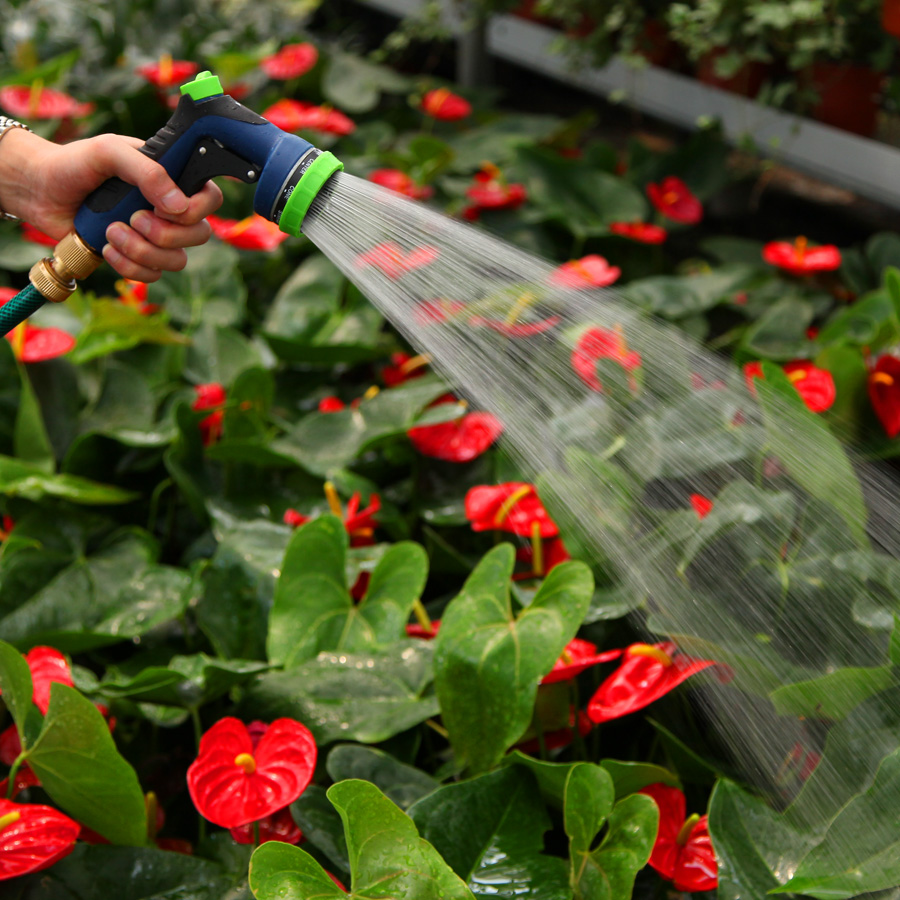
(867, 167)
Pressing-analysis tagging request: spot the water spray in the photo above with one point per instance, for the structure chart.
(209, 134)
(790, 578)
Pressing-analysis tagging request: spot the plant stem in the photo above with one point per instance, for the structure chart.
(422, 616)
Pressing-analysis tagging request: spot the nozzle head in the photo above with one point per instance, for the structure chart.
(306, 190)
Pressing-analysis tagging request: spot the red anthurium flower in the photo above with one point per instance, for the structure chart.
(683, 852)
(6, 526)
(577, 656)
(461, 440)
(394, 261)
(430, 311)
(252, 233)
(134, 294)
(550, 553)
(646, 673)
(10, 745)
(36, 236)
(31, 344)
(295, 115)
(884, 393)
(210, 396)
(673, 198)
(562, 737)
(294, 519)
(589, 271)
(25, 778)
(280, 826)
(417, 630)
(601, 343)
(815, 385)
(643, 232)
(702, 505)
(47, 666)
(360, 523)
(513, 507)
(518, 329)
(403, 367)
(37, 102)
(290, 61)
(235, 780)
(401, 183)
(33, 837)
(492, 191)
(168, 71)
(444, 104)
(801, 259)
(331, 404)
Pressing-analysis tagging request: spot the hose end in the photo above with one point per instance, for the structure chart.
(72, 260)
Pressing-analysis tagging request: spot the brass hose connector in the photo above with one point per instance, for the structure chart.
(72, 260)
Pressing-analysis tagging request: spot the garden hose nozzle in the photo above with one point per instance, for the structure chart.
(209, 134)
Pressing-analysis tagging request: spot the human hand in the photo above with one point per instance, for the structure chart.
(46, 183)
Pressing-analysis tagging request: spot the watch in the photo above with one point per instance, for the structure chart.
(7, 124)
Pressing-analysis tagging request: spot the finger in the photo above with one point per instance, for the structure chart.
(113, 155)
(164, 233)
(140, 251)
(128, 268)
(205, 202)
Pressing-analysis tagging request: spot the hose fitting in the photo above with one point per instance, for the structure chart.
(72, 260)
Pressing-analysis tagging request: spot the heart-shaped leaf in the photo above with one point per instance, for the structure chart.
(388, 859)
(488, 662)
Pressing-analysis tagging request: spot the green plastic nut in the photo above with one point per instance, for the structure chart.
(311, 182)
(204, 85)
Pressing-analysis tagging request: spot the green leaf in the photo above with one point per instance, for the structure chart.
(679, 296)
(325, 442)
(490, 831)
(111, 595)
(861, 849)
(608, 872)
(23, 479)
(313, 610)
(488, 662)
(220, 354)
(321, 825)
(821, 467)
(209, 288)
(780, 333)
(752, 842)
(834, 695)
(114, 326)
(238, 586)
(188, 681)
(30, 440)
(15, 684)
(869, 322)
(351, 696)
(583, 199)
(588, 800)
(630, 777)
(130, 873)
(399, 782)
(355, 85)
(388, 859)
(79, 767)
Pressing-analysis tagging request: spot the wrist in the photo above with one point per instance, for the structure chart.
(21, 155)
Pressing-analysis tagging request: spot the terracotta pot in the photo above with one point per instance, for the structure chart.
(848, 96)
(654, 44)
(526, 10)
(747, 81)
(890, 17)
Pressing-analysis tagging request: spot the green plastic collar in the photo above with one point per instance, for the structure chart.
(311, 182)
(204, 85)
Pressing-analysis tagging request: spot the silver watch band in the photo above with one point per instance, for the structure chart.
(7, 124)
